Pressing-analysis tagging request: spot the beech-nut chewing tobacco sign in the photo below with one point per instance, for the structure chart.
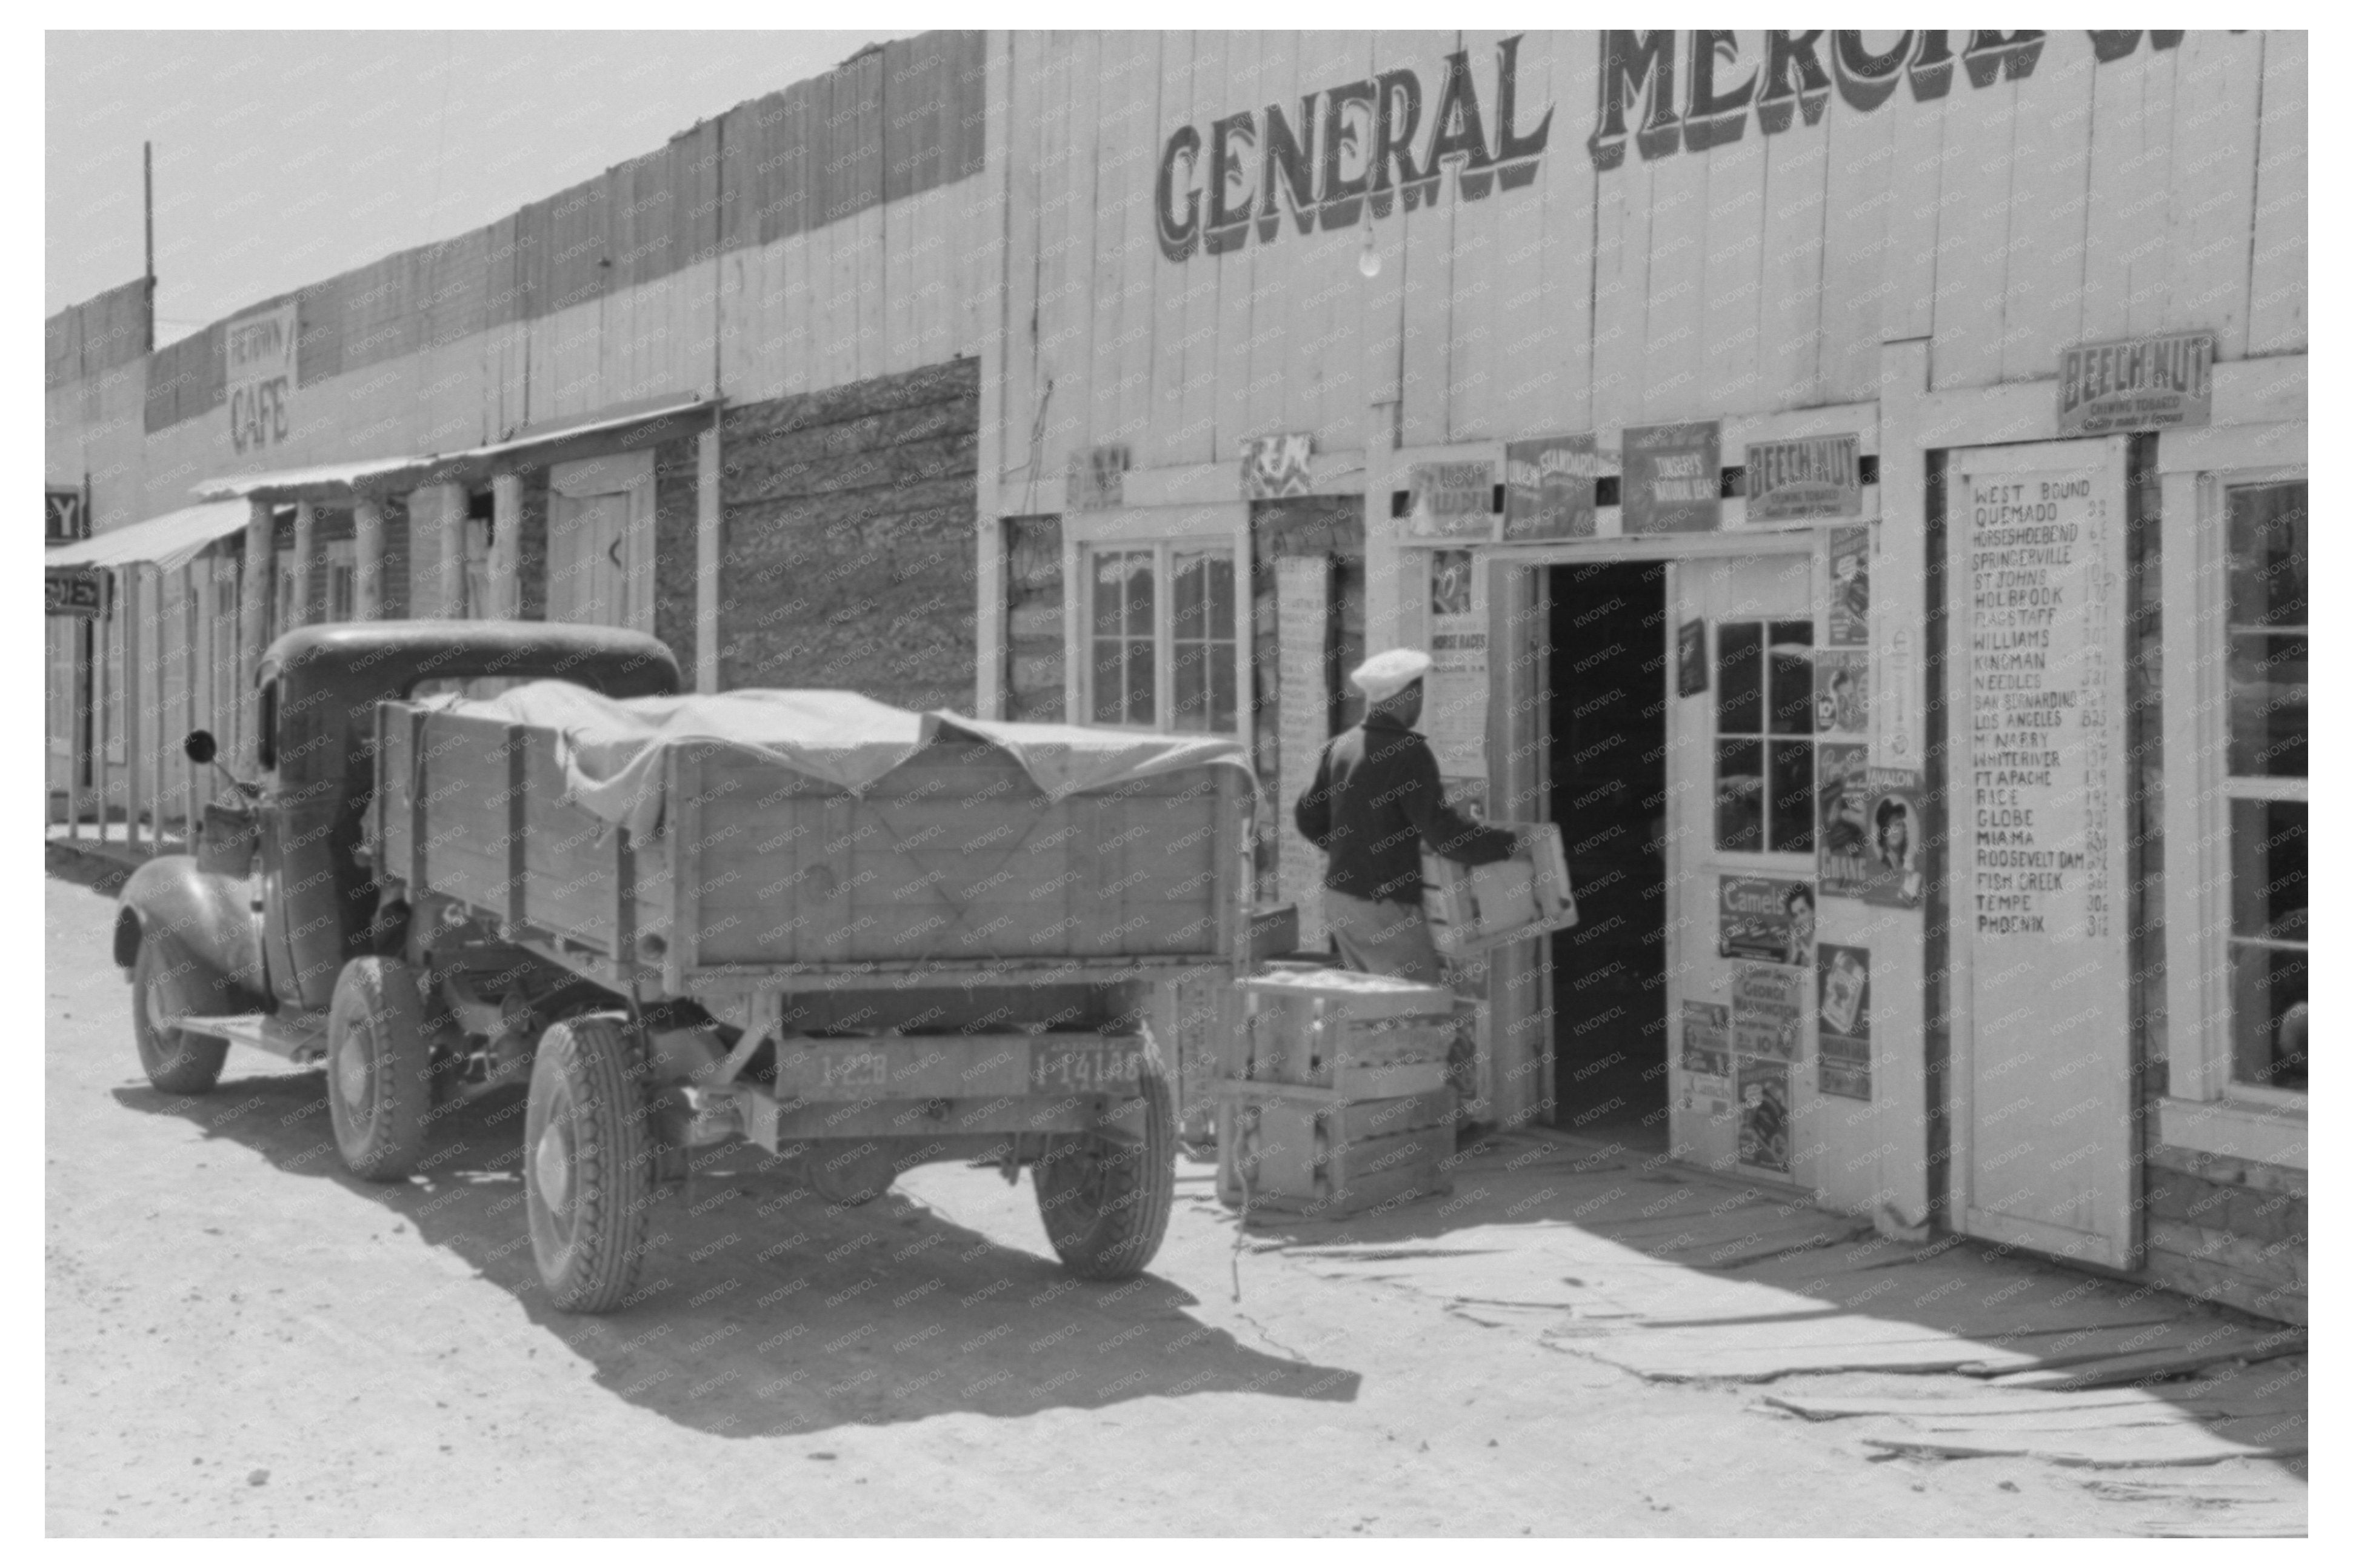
(1814, 475)
(2140, 384)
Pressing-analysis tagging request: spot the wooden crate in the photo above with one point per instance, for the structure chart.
(1364, 1037)
(1473, 909)
(1304, 1151)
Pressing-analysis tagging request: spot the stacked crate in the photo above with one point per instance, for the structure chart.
(1337, 1099)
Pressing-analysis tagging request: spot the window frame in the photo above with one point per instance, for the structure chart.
(2205, 1107)
(1166, 531)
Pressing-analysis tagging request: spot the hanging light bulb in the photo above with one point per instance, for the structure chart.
(1369, 260)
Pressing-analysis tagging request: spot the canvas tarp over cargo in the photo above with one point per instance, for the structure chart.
(790, 833)
(611, 747)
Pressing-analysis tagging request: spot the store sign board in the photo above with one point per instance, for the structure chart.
(261, 360)
(64, 517)
(1813, 475)
(1275, 467)
(1452, 500)
(1671, 479)
(2137, 384)
(1548, 487)
(1321, 160)
(76, 591)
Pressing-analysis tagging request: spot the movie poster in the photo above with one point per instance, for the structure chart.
(1842, 1022)
(1455, 692)
(1849, 616)
(1768, 1009)
(1842, 691)
(1766, 918)
(1892, 868)
(1765, 1115)
(1707, 1047)
(1842, 833)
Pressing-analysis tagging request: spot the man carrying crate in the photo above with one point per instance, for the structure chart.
(1374, 803)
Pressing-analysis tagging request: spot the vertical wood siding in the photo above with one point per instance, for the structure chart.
(2159, 191)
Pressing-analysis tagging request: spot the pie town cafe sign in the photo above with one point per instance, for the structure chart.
(1365, 143)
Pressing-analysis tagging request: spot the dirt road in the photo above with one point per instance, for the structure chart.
(242, 1339)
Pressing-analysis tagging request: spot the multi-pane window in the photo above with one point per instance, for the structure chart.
(343, 580)
(1764, 737)
(2266, 780)
(1161, 637)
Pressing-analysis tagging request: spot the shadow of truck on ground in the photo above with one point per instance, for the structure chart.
(762, 1309)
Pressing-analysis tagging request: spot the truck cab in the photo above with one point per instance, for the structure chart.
(208, 944)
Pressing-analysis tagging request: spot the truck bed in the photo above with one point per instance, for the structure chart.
(952, 865)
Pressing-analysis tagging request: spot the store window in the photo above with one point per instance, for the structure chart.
(343, 580)
(1161, 636)
(2265, 780)
(1764, 737)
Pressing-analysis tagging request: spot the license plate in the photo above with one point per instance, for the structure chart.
(852, 1067)
(1084, 1067)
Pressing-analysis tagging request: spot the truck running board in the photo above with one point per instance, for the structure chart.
(298, 1037)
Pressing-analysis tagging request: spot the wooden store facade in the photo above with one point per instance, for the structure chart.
(1853, 482)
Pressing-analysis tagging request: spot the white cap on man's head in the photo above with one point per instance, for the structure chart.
(1385, 675)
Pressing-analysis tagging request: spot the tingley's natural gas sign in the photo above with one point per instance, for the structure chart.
(1366, 142)
(1359, 143)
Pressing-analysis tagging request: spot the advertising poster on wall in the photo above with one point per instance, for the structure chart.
(1690, 658)
(1892, 872)
(1842, 691)
(2139, 384)
(1452, 500)
(1672, 478)
(1848, 617)
(1302, 594)
(1766, 918)
(1810, 477)
(1548, 487)
(1707, 1047)
(1843, 834)
(1842, 1022)
(1454, 694)
(1275, 467)
(1765, 1115)
(1768, 1010)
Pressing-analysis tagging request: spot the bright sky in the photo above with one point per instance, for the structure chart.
(283, 157)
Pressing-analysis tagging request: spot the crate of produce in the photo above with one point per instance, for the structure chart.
(1299, 1151)
(1473, 909)
(1364, 1037)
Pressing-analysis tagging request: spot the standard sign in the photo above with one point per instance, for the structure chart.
(76, 591)
(1815, 476)
(2140, 384)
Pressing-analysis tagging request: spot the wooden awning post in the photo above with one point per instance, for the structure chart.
(253, 601)
(306, 547)
(506, 542)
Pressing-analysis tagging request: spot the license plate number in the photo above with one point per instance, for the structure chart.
(852, 1067)
(1088, 1067)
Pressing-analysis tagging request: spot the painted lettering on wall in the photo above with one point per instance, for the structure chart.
(261, 350)
(1687, 91)
(1337, 151)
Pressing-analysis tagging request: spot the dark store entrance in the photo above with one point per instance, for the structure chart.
(1608, 780)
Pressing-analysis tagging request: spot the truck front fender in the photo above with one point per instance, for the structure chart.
(207, 927)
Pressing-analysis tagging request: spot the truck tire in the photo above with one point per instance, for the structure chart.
(176, 1062)
(587, 1164)
(379, 1069)
(1106, 1200)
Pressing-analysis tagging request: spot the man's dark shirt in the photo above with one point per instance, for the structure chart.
(1375, 802)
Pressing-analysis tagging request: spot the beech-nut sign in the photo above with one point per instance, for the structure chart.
(2139, 384)
(1337, 149)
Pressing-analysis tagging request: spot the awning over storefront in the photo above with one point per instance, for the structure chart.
(379, 475)
(167, 542)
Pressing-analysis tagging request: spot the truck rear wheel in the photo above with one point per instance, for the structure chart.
(176, 1061)
(379, 1069)
(1105, 1199)
(588, 1165)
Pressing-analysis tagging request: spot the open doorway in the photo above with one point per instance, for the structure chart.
(1608, 794)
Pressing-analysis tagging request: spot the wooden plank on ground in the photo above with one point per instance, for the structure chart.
(2178, 1353)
